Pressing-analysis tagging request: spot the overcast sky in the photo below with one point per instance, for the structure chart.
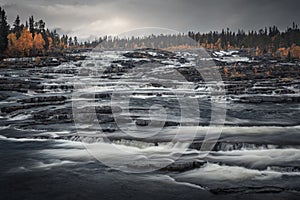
(92, 18)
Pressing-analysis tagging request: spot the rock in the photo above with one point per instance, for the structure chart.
(182, 166)
(142, 122)
(114, 69)
(59, 86)
(19, 85)
(155, 84)
(13, 108)
(149, 53)
(171, 123)
(108, 109)
(264, 189)
(182, 60)
(269, 99)
(43, 99)
(190, 74)
(3, 97)
(96, 96)
(105, 118)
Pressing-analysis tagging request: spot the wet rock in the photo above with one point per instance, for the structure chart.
(114, 69)
(54, 116)
(142, 122)
(43, 99)
(13, 108)
(182, 166)
(171, 123)
(182, 60)
(19, 85)
(149, 53)
(284, 91)
(269, 99)
(105, 118)
(108, 109)
(96, 96)
(226, 146)
(265, 189)
(155, 84)
(191, 74)
(98, 109)
(59, 86)
(3, 97)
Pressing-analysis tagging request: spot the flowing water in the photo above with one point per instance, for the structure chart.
(47, 141)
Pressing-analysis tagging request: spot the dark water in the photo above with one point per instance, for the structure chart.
(45, 154)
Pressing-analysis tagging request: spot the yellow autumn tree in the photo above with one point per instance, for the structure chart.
(25, 42)
(38, 42)
(50, 43)
(12, 43)
(219, 44)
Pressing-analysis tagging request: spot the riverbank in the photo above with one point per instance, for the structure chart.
(44, 61)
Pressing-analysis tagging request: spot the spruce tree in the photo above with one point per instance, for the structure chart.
(31, 25)
(17, 27)
(4, 30)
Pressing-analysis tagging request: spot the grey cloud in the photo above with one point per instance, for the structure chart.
(106, 16)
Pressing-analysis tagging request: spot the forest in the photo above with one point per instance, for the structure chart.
(33, 39)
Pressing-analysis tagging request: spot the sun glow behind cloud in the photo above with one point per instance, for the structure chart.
(109, 26)
(94, 18)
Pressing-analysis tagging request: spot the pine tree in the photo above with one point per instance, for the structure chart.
(45, 35)
(40, 26)
(31, 25)
(4, 29)
(17, 27)
(76, 41)
(71, 42)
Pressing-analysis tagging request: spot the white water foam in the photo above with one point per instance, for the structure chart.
(22, 139)
(19, 117)
(224, 173)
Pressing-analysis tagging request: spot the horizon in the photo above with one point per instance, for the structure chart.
(136, 99)
(97, 19)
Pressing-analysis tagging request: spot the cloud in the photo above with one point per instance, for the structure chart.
(94, 17)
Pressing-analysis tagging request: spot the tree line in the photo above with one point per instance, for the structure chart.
(269, 41)
(33, 38)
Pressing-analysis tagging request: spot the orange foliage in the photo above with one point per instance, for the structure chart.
(282, 52)
(12, 43)
(219, 44)
(179, 47)
(25, 42)
(38, 42)
(257, 51)
(38, 59)
(295, 51)
(50, 43)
